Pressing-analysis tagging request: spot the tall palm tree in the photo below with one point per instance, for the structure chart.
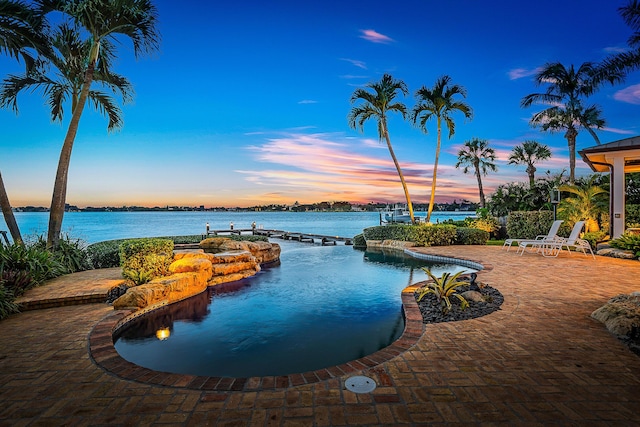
(439, 102)
(103, 20)
(477, 154)
(615, 67)
(529, 153)
(375, 106)
(567, 88)
(22, 29)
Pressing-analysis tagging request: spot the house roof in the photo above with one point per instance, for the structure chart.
(600, 157)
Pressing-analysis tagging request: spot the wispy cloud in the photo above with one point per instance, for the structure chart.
(518, 73)
(352, 76)
(619, 131)
(307, 101)
(375, 37)
(615, 49)
(356, 63)
(630, 95)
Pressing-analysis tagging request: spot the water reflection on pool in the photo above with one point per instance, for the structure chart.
(322, 306)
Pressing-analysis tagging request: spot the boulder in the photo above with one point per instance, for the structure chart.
(621, 315)
(472, 296)
(616, 253)
(264, 252)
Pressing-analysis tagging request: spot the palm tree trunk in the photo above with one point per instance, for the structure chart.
(58, 200)
(531, 171)
(435, 172)
(395, 162)
(479, 178)
(571, 135)
(7, 212)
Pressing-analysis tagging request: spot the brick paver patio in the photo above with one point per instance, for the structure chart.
(539, 361)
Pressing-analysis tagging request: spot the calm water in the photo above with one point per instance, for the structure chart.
(322, 306)
(99, 226)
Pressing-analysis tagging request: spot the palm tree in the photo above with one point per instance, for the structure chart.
(567, 87)
(477, 154)
(528, 153)
(103, 20)
(376, 105)
(586, 203)
(22, 28)
(439, 102)
(615, 67)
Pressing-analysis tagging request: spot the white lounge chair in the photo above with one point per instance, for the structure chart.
(551, 235)
(573, 241)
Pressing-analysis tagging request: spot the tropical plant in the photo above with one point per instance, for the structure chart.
(567, 88)
(629, 242)
(103, 21)
(529, 153)
(444, 288)
(7, 304)
(477, 154)
(71, 253)
(375, 106)
(439, 102)
(586, 202)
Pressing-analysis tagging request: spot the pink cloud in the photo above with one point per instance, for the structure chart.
(630, 95)
(375, 37)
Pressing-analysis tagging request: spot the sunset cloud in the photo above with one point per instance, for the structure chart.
(630, 95)
(375, 37)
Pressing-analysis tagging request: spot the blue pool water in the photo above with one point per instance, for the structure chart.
(322, 306)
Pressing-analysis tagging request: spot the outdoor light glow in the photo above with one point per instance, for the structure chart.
(163, 334)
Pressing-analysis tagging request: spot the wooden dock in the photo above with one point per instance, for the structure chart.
(284, 235)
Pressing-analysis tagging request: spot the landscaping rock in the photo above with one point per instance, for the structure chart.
(621, 316)
(616, 253)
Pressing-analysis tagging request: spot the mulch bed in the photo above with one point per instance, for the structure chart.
(432, 313)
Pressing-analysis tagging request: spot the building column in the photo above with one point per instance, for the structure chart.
(618, 193)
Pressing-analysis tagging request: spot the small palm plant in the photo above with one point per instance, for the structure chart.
(443, 288)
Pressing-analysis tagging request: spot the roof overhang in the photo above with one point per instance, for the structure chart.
(601, 157)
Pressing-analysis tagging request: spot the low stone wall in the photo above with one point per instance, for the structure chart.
(194, 269)
(394, 244)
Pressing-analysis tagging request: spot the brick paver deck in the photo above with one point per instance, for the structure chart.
(539, 361)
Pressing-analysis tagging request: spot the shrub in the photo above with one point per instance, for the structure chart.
(359, 241)
(529, 224)
(104, 254)
(443, 288)
(145, 259)
(40, 263)
(629, 242)
(421, 235)
(632, 214)
(7, 304)
(70, 253)
(593, 237)
(471, 236)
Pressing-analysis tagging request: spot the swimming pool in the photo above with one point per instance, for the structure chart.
(322, 306)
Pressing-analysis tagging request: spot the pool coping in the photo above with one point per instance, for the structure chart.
(103, 353)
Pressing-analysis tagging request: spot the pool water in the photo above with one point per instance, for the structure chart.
(320, 307)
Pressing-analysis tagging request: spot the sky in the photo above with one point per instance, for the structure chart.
(246, 103)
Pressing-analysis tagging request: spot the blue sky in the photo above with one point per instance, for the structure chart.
(246, 102)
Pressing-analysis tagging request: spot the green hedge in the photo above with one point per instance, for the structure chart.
(421, 235)
(471, 236)
(359, 241)
(529, 224)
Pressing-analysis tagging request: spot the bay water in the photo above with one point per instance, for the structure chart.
(100, 226)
